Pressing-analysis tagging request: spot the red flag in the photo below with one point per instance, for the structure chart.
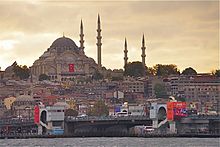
(71, 67)
(36, 115)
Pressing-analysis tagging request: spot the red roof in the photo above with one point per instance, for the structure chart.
(51, 97)
(208, 79)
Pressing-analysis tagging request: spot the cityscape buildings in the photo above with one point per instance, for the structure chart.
(77, 80)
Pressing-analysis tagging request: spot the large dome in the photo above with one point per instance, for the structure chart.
(64, 42)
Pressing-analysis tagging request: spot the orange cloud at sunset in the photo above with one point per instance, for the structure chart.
(184, 33)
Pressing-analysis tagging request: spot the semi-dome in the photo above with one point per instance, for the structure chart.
(24, 98)
(64, 42)
(62, 104)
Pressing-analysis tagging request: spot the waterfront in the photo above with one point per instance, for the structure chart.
(112, 142)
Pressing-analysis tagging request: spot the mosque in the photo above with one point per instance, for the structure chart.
(64, 60)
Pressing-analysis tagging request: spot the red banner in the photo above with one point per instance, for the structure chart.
(180, 109)
(36, 115)
(176, 110)
(179, 104)
(170, 115)
(71, 67)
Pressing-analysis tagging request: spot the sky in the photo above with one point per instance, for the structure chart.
(185, 33)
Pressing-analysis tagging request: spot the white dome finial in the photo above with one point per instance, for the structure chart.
(172, 99)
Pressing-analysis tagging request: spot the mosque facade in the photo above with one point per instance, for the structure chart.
(64, 60)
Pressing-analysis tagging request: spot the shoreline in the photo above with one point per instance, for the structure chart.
(140, 136)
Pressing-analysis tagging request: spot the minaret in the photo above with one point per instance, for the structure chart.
(81, 35)
(99, 44)
(143, 55)
(125, 54)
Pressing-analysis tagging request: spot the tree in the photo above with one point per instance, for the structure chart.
(150, 71)
(117, 78)
(135, 69)
(23, 72)
(43, 77)
(99, 109)
(189, 71)
(160, 91)
(71, 112)
(165, 70)
(181, 99)
(216, 73)
(97, 75)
